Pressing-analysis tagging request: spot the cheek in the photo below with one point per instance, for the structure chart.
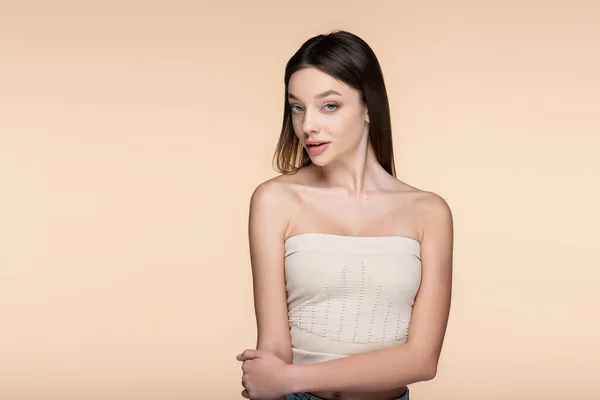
(351, 127)
(340, 125)
(297, 126)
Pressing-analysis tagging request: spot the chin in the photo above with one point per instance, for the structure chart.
(320, 161)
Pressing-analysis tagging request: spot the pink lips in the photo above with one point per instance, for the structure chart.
(315, 150)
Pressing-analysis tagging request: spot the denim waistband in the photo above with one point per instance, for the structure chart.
(306, 396)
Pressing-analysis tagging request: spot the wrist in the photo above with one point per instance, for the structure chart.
(292, 378)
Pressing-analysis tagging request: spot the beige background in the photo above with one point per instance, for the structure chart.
(133, 133)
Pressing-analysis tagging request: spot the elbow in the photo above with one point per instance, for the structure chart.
(429, 370)
(281, 352)
(282, 349)
(285, 356)
(284, 353)
(429, 373)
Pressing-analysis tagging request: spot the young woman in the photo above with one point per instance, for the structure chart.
(352, 268)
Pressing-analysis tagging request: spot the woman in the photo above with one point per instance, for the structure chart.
(352, 267)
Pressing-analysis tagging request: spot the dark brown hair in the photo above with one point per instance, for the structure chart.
(349, 59)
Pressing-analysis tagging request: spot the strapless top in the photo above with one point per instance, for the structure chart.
(349, 294)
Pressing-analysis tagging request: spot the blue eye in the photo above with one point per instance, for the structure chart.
(328, 107)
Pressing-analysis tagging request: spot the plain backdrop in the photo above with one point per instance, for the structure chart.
(132, 134)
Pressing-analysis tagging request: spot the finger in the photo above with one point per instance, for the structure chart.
(248, 354)
(243, 355)
(246, 364)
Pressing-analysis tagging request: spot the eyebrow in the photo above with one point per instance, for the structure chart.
(319, 96)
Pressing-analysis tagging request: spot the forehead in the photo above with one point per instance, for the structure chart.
(310, 81)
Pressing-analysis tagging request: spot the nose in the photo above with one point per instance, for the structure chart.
(309, 122)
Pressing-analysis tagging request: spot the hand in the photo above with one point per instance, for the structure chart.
(265, 376)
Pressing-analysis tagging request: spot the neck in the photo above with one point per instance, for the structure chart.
(356, 172)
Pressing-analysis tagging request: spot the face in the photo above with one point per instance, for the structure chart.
(328, 116)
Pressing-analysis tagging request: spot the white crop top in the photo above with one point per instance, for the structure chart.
(349, 294)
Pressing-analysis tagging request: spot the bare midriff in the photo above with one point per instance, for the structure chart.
(385, 395)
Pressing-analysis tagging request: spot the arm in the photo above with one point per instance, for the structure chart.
(266, 231)
(417, 359)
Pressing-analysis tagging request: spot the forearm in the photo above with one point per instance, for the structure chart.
(372, 371)
(283, 352)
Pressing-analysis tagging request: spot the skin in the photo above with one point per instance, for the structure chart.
(344, 192)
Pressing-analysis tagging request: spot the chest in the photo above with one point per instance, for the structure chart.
(367, 216)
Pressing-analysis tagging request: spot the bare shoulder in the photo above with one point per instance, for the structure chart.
(424, 199)
(430, 202)
(281, 190)
(430, 209)
(276, 191)
(435, 220)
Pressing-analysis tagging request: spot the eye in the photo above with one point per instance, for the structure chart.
(335, 106)
(295, 109)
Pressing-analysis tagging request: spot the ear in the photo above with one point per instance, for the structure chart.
(367, 118)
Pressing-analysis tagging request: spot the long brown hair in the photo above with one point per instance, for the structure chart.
(349, 59)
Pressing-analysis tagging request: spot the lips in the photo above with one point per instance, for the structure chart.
(316, 148)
